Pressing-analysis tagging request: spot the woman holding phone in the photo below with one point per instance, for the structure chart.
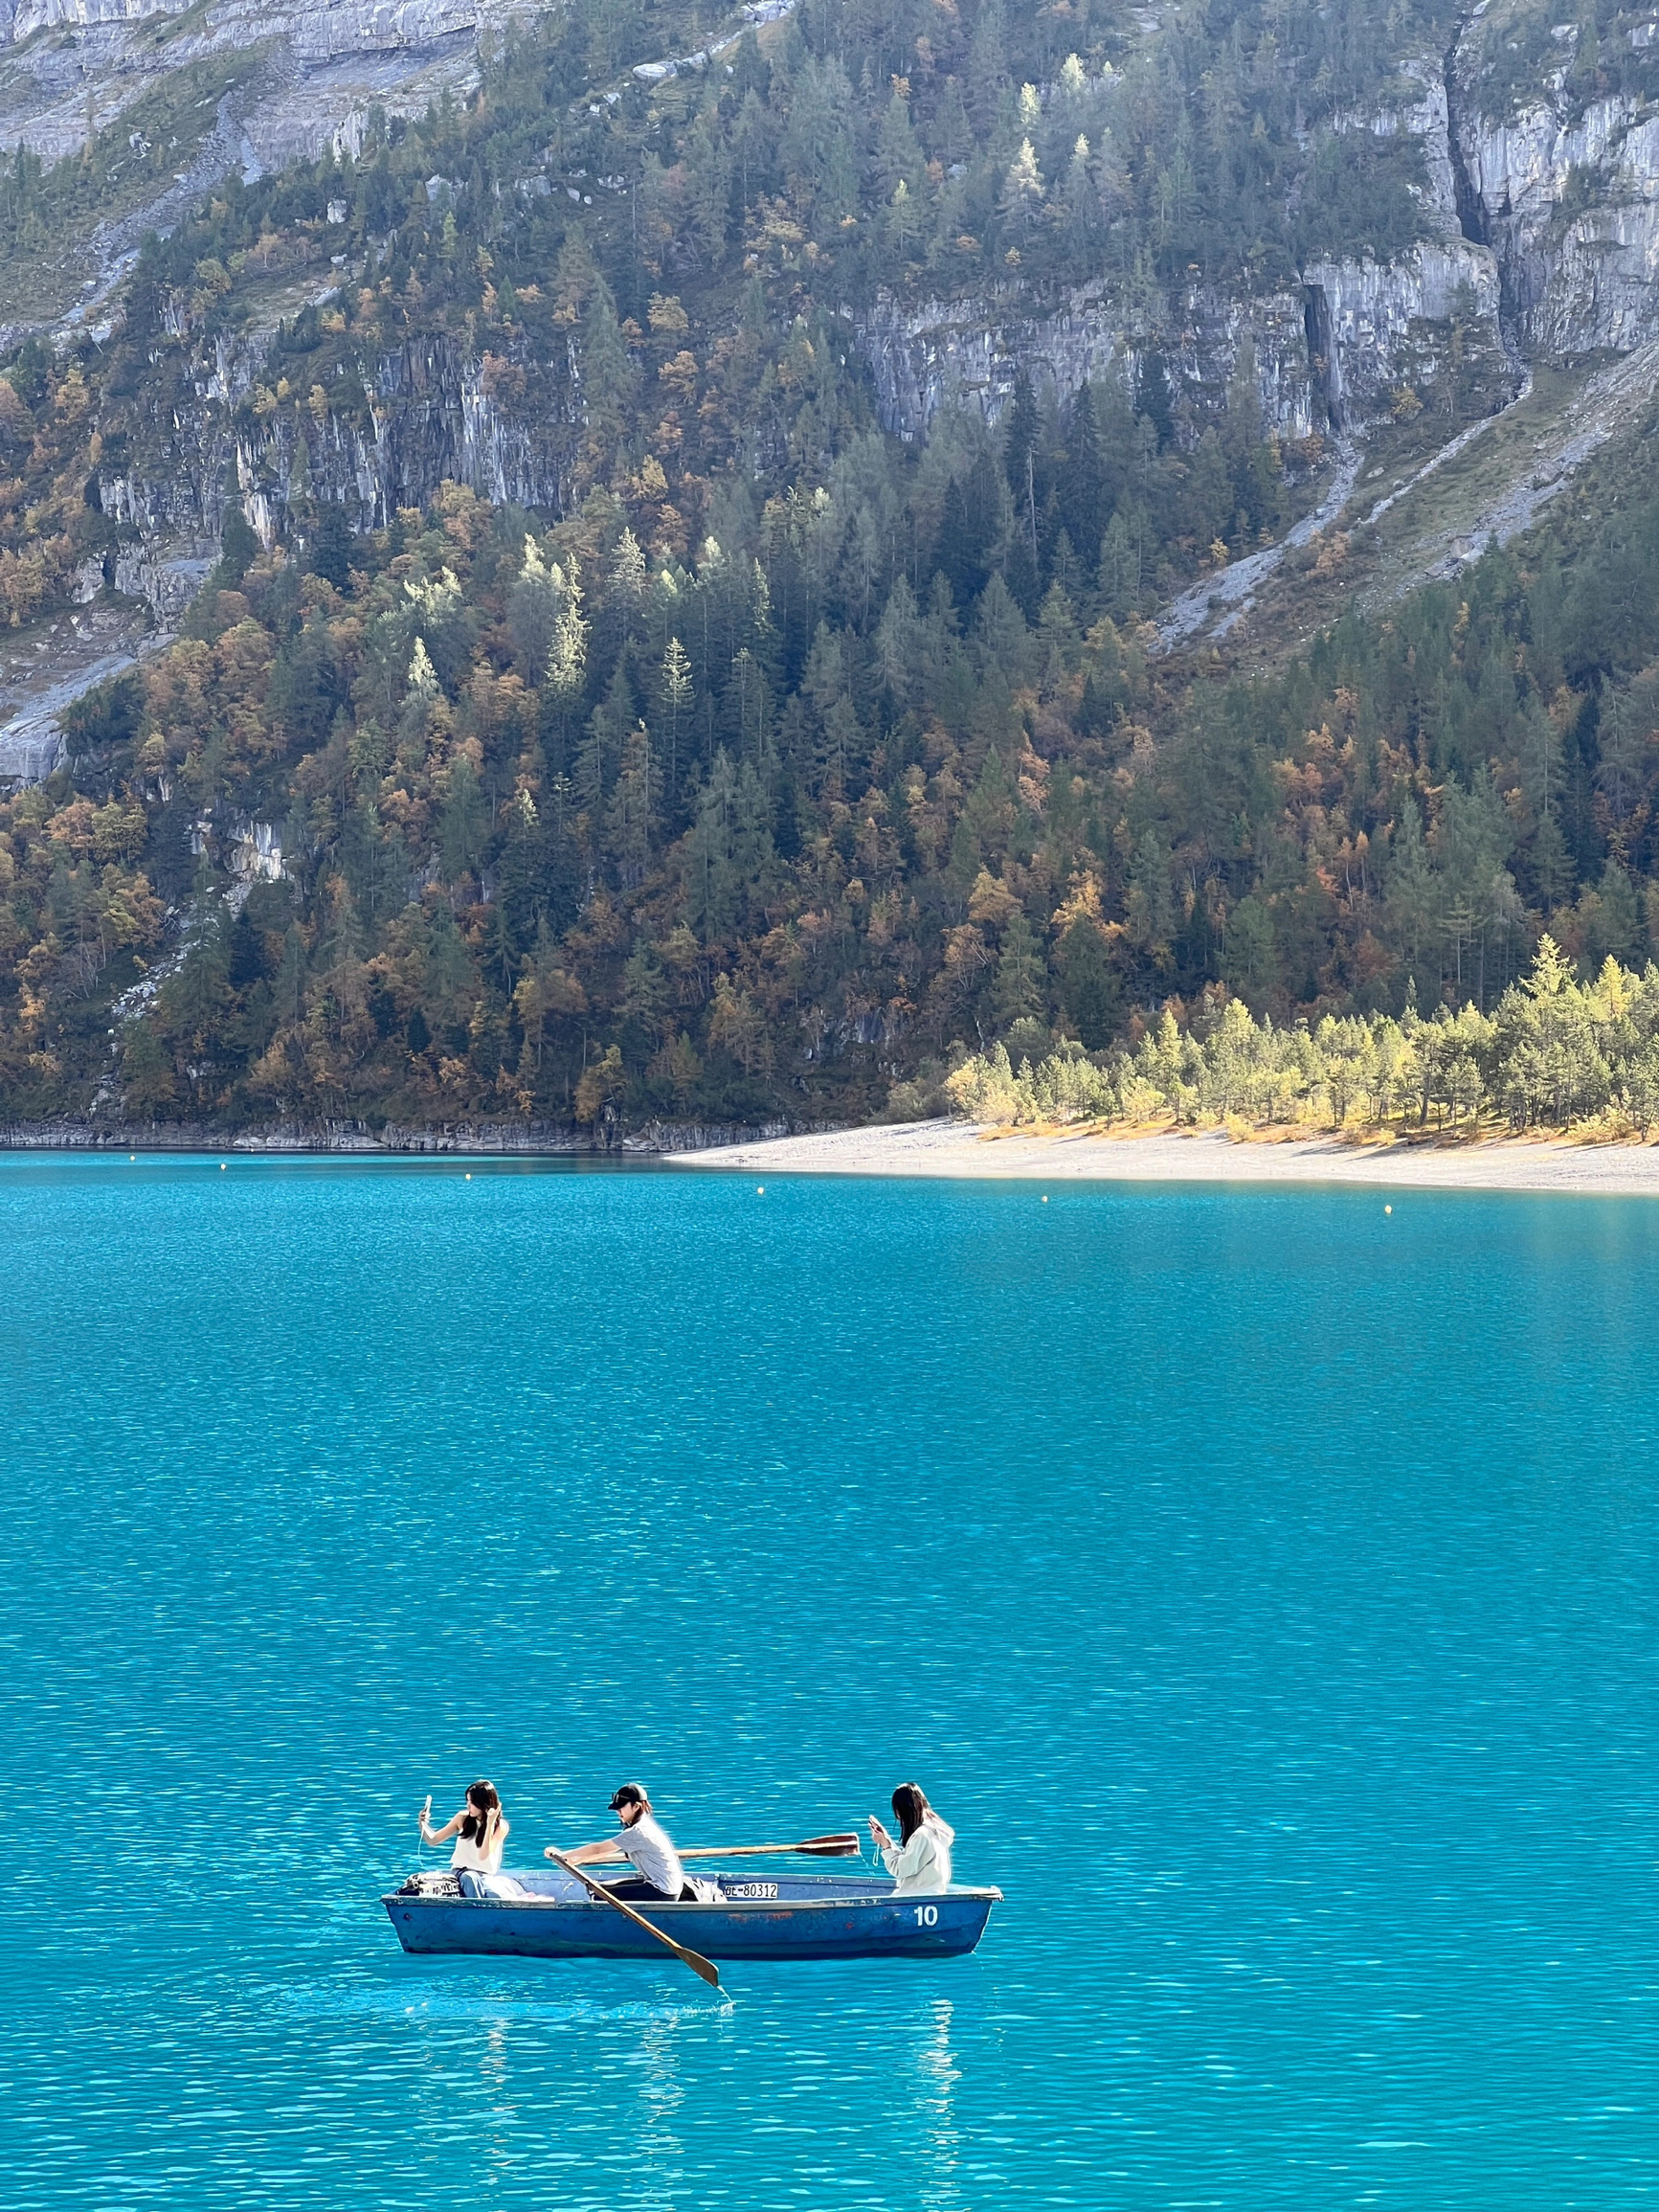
(920, 1860)
(479, 1830)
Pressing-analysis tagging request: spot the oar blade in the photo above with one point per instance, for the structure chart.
(698, 1964)
(842, 1845)
(694, 1959)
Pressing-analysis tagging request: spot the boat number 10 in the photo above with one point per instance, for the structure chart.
(926, 1915)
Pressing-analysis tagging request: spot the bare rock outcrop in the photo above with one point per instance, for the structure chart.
(319, 67)
(1330, 353)
(1571, 204)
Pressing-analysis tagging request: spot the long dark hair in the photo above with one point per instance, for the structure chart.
(912, 1808)
(482, 1801)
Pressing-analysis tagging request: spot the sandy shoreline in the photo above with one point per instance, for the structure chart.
(953, 1148)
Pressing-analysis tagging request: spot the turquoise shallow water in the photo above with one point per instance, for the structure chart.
(1264, 1586)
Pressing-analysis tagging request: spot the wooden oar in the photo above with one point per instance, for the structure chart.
(846, 1847)
(843, 1846)
(694, 1959)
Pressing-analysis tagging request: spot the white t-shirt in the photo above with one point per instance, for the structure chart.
(652, 1853)
(467, 1853)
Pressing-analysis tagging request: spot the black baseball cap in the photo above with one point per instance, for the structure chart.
(629, 1794)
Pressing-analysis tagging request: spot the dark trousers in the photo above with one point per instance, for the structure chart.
(642, 1892)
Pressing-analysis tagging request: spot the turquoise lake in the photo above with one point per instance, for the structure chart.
(1264, 1585)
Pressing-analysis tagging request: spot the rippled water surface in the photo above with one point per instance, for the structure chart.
(1265, 1585)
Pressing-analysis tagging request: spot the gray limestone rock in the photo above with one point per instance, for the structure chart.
(1347, 345)
(1542, 238)
(323, 66)
(1572, 209)
(1330, 353)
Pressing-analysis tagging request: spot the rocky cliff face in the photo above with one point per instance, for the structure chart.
(970, 351)
(432, 422)
(323, 27)
(1542, 240)
(1428, 323)
(320, 67)
(1543, 222)
(1336, 353)
(1570, 205)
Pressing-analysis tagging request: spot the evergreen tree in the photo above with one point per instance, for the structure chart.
(1016, 986)
(328, 552)
(1085, 508)
(1152, 398)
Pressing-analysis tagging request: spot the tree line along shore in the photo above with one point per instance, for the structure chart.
(1553, 1055)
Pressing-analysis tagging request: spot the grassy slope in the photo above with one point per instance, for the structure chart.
(1562, 441)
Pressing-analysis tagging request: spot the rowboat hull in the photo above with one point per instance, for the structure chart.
(824, 1917)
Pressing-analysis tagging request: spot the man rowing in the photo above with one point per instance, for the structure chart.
(661, 1877)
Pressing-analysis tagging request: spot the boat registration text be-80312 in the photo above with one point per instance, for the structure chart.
(750, 1888)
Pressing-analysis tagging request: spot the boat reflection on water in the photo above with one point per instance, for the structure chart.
(938, 2074)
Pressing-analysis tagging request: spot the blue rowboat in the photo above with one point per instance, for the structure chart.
(784, 1917)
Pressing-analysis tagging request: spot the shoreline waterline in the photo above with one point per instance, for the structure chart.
(953, 1149)
(958, 1151)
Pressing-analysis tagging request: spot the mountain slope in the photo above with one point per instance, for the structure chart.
(685, 522)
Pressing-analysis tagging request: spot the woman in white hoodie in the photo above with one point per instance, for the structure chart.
(920, 1860)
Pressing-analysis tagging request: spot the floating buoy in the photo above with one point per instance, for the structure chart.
(469, 1174)
(132, 1156)
(1388, 1209)
(221, 1167)
(760, 1190)
(1045, 1198)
